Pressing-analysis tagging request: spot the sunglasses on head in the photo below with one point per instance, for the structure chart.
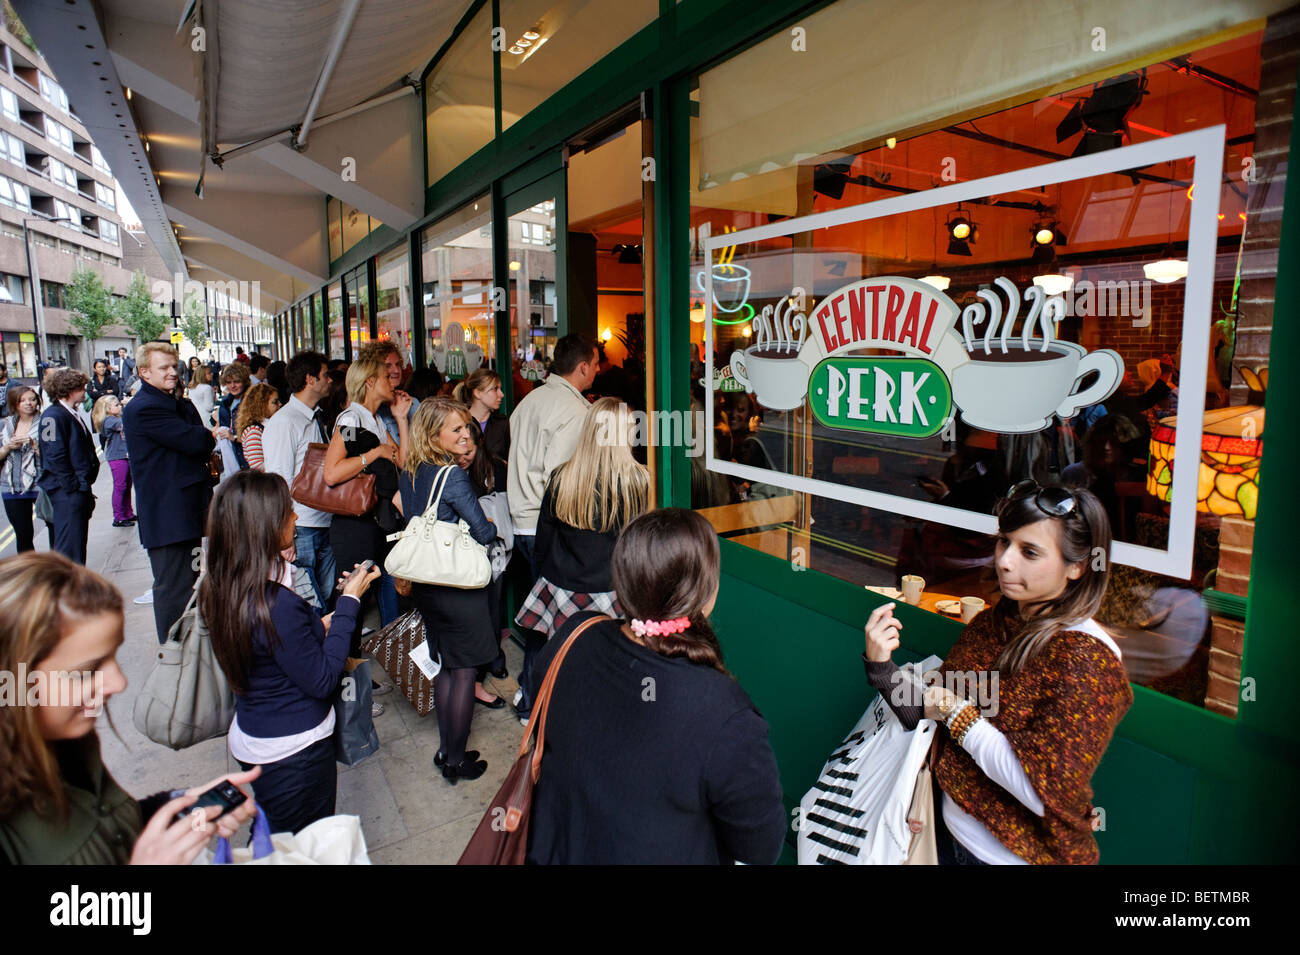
(1054, 500)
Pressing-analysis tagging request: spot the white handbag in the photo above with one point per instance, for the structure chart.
(857, 812)
(431, 551)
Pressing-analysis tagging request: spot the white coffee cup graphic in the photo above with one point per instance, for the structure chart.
(913, 587)
(778, 383)
(730, 286)
(1018, 391)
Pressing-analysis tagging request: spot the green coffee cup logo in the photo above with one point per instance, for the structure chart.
(908, 397)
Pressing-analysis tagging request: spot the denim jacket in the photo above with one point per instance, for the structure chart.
(458, 502)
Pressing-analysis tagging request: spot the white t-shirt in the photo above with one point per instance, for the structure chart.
(355, 415)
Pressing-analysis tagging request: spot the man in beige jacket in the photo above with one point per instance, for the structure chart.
(544, 433)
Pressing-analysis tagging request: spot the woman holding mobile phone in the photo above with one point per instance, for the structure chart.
(62, 625)
(283, 662)
(1013, 786)
(20, 463)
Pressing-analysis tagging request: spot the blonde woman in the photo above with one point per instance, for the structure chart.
(255, 410)
(107, 419)
(457, 622)
(588, 501)
(360, 443)
(201, 394)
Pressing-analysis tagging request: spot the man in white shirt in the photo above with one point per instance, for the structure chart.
(257, 366)
(284, 447)
(544, 432)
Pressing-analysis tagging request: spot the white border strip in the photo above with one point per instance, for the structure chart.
(1205, 146)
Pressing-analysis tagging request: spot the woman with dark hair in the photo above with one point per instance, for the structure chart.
(653, 752)
(487, 475)
(481, 393)
(277, 377)
(1015, 782)
(283, 662)
(103, 382)
(61, 624)
(20, 463)
(191, 370)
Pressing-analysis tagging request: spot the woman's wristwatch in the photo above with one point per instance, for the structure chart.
(363, 462)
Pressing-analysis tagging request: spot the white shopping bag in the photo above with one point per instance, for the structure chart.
(856, 813)
(335, 840)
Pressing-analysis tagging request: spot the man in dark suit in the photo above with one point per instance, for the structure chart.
(169, 449)
(69, 464)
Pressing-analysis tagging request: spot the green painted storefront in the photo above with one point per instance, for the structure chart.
(1179, 784)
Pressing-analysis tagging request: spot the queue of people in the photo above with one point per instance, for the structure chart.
(556, 483)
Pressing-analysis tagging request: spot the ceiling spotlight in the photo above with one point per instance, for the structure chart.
(1043, 235)
(522, 42)
(531, 35)
(1103, 116)
(515, 266)
(961, 232)
(628, 254)
(830, 178)
(516, 50)
(959, 227)
(1165, 271)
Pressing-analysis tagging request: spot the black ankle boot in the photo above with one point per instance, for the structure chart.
(440, 757)
(468, 769)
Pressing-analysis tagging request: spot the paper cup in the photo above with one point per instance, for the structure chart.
(970, 606)
(912, 588)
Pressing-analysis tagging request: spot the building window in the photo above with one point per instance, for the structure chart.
(13, 149)
(98, 160)
(58, 133)
(535, 233)
(52, 294)
(13, 286)
(53, 92)
(108, 231)
(9, 104)
(106, 195)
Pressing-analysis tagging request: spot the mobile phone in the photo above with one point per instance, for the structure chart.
(364, 567)
(224, 794)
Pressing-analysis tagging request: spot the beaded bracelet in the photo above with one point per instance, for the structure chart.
(959, 729)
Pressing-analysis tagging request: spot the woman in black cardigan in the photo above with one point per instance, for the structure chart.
(587, 502)
(653, 752)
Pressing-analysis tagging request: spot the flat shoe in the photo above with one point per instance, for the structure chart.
(496, 704)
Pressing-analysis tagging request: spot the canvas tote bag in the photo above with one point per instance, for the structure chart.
(186, 699)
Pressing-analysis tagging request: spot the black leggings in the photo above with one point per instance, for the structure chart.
(19, 512)
(453, 696)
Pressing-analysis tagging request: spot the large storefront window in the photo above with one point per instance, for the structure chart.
(393, 314)
(456, 263)
(533, 268)
(336, 320)
(895, 327)
(356, 289)
(546, 45)
(460, 108)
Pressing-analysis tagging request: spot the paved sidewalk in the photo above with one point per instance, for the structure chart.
(408, 812)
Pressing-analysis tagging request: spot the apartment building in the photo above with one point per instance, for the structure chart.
(54, 179)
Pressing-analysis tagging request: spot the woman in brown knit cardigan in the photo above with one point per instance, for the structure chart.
(1014, 779)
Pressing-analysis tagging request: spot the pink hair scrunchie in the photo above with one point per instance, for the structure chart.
(660, 628)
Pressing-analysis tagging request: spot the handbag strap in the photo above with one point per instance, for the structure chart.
(537, 724)
(442, 476)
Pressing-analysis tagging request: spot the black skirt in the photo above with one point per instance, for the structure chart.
(457, 624)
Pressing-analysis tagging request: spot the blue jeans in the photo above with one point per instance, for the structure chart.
(533, 641)
(316, 556)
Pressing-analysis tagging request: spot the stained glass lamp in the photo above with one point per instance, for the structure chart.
(1232, 442)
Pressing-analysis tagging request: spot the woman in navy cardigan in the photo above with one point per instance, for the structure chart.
(283, 662)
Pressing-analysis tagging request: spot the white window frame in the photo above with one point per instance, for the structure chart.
(1206, 147)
